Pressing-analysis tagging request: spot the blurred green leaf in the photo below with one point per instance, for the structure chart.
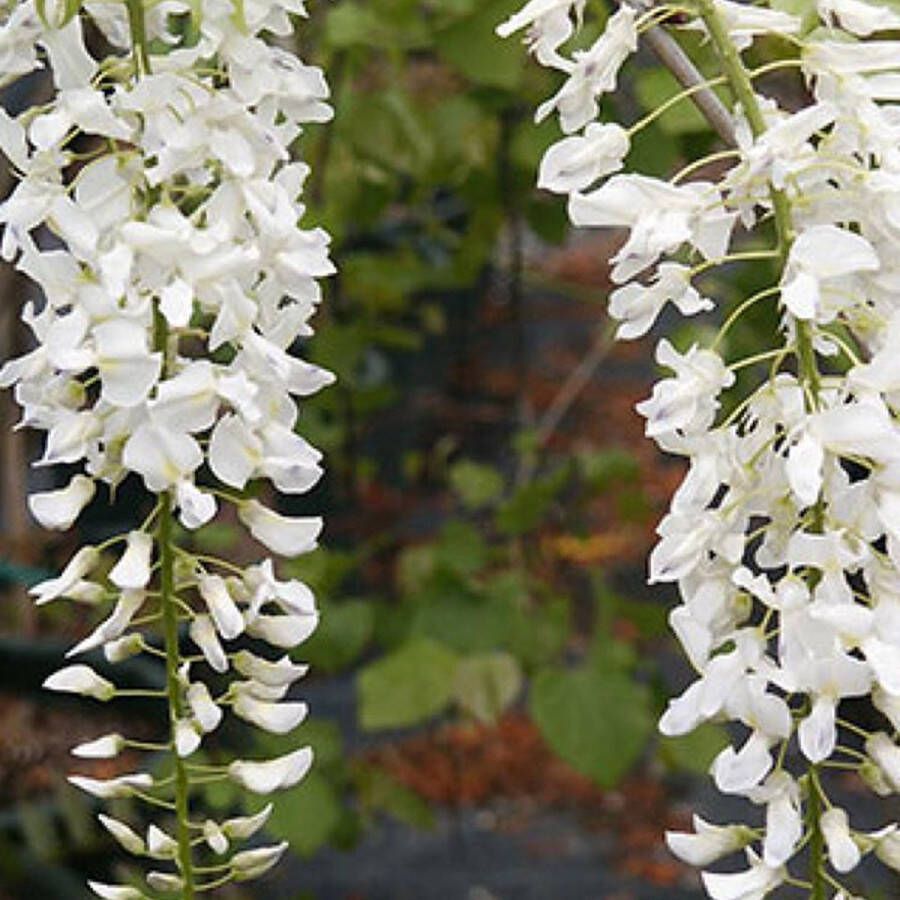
(461, 548)
(477, 485)
(39, 830)
(599, 722)
(471, 46)
(216, 537)
(528, 506)
(694, 752)
(415, 565)
(323, 735)
(307, 815)
(486, 685)
(324, 570)
(352, 24)
(379, 792)
(604, 469)
(407, 687)
(656, 86)
(344, 631)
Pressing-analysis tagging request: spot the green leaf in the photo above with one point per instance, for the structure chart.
(487, 685)
(460, 617)
(307, 815)
(654, 87)
(461, 548)
(694, 752)
(605, 469)
(406, 687)
(477, 485)
(415, 565)
(471, 47)
(218, 538)
(379, 792)
(527, 508)
(323, 735)
(344, 631)
(352, 24)
(597, 722)
(534, 629)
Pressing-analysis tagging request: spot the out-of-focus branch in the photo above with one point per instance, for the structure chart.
(671, 55)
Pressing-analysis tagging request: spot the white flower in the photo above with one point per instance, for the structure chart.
(736, 772)
(106, 747)
(274, 774)
(275, 674)
(804, 468)
(595, 72)
(215, 837)
(161, 845)
(253, 863)
(204, 634)
(128, 604)
(187, 737)
(688, 401)
(752, 884)
(637, 306)
(115, 891)
(858, 17)
(549, 24)
(227, 617)
(820, 256)
(281, 534)
(746, 22)
(165, 882)
(245, 827)
(886, 755)
(163, 458)
(784, 817)
(123, 648)
(205, 710)
(278, 718)
(235, 452)
(575, 163)
(843, 852)
(58, 510)
(196, 507)
(81, 564)
(661, 217)
(127, 837)
(110, 788)
(132, 571)
(286, 631)
(80, 680)
(708, 843)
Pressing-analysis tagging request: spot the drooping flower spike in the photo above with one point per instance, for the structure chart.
(783, 538)
(158, 209)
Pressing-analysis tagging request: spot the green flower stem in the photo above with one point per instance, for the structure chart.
(173, 688)
(742, 89)
(138, 29)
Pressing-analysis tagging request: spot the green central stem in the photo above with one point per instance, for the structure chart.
(742, 89)
(168, 600)
(173, 690)
(138, 28)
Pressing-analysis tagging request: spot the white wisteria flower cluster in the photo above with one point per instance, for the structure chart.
(157, 208)
(784, 537)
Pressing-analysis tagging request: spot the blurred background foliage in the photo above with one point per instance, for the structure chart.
(487, 518)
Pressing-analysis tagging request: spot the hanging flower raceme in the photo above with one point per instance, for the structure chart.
(783, 538)
(157, 209)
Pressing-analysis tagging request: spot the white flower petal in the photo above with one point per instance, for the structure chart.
(58, 510)
(281, 534)
(272, 775)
